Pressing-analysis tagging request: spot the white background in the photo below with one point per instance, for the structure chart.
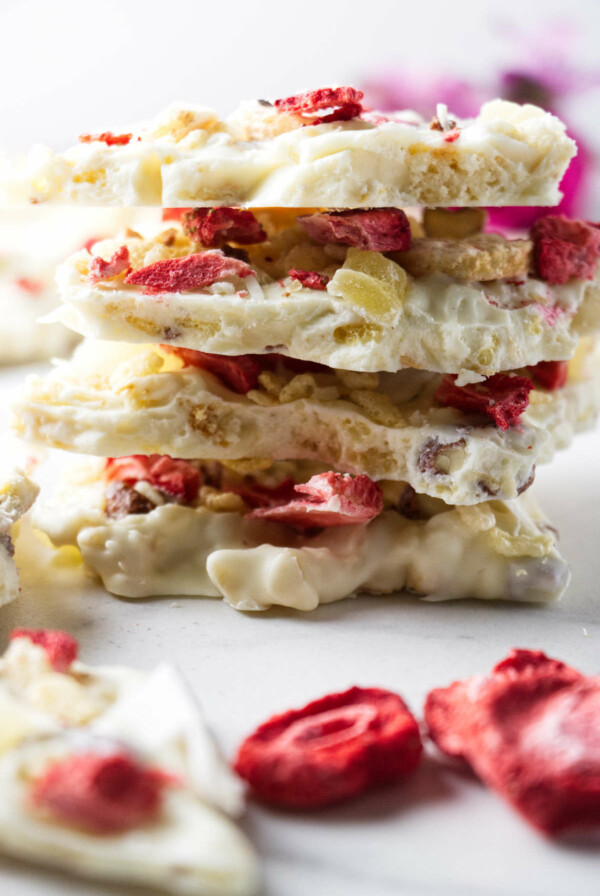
(70, 67)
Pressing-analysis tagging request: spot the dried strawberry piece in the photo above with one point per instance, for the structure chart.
(500, 397)
(61, 648)
(332, 499)
(216, 226)
(550, 374)
(239, 372)
(530, 730)
(452, 135)
(176, 477)
(340, 104)
(174, 214)
(331, 750)
(118, 263)
(563, 249)
(106, 137)
(257, 494)
(190, 272)
(377, 229)
(102, 794)
(309, 279)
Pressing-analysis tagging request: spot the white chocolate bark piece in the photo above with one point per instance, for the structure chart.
(494, 550)
(27, 292)
(189, 849)
(115, 399)
(117, 702)
(17, 494)
(434, 322)
(507, 155)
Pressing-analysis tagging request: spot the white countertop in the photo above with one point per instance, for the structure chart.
(439, 834)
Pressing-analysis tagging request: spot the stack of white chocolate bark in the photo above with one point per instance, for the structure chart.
(296, 390)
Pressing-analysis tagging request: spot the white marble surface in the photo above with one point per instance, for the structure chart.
(440, 833)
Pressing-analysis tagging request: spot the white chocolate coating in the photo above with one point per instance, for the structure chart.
(190, 849)
(115, 399)
(441, 323)
(508, 155)
(491, 551)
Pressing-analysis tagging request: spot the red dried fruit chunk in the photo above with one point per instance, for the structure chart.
(344, 104)
(256, 494)
(500, 397)
(118, 263)
(563, 249)
(216, 226)
(102, 794)
(310, 279)
(452, 135)
(239, 372)
(174, 214)
(331, 750)
(190, 272)
(332, 499)
(27, 284)
(550, 374)
(530, 730)
(106, 137)
(61, 648)
(176, 477)
(377, 229)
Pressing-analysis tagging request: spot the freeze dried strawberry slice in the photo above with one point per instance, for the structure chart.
(174, 214)
(176, 477)
(563, 249)
(61, 648)
(377, 229)
(216, 226)
(106, 137)
(239, 372)
(332, 499)
(333, 749)
(190, 272)
(550, 374)
(309, 279)
(339, 104)
(500, 397)
(102, 794)
(118, 263)
(530, 730)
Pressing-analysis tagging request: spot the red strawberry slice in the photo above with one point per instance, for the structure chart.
(338, 104)
(376, 229)
(176, 477)
(61, 648)
(530, 729)
(501, 398)
(332, 499)
(331, 750)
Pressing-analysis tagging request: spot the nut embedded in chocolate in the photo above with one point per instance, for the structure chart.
(122, 500)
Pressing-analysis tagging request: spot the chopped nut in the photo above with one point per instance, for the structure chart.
(221, 502)
(122, 500)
